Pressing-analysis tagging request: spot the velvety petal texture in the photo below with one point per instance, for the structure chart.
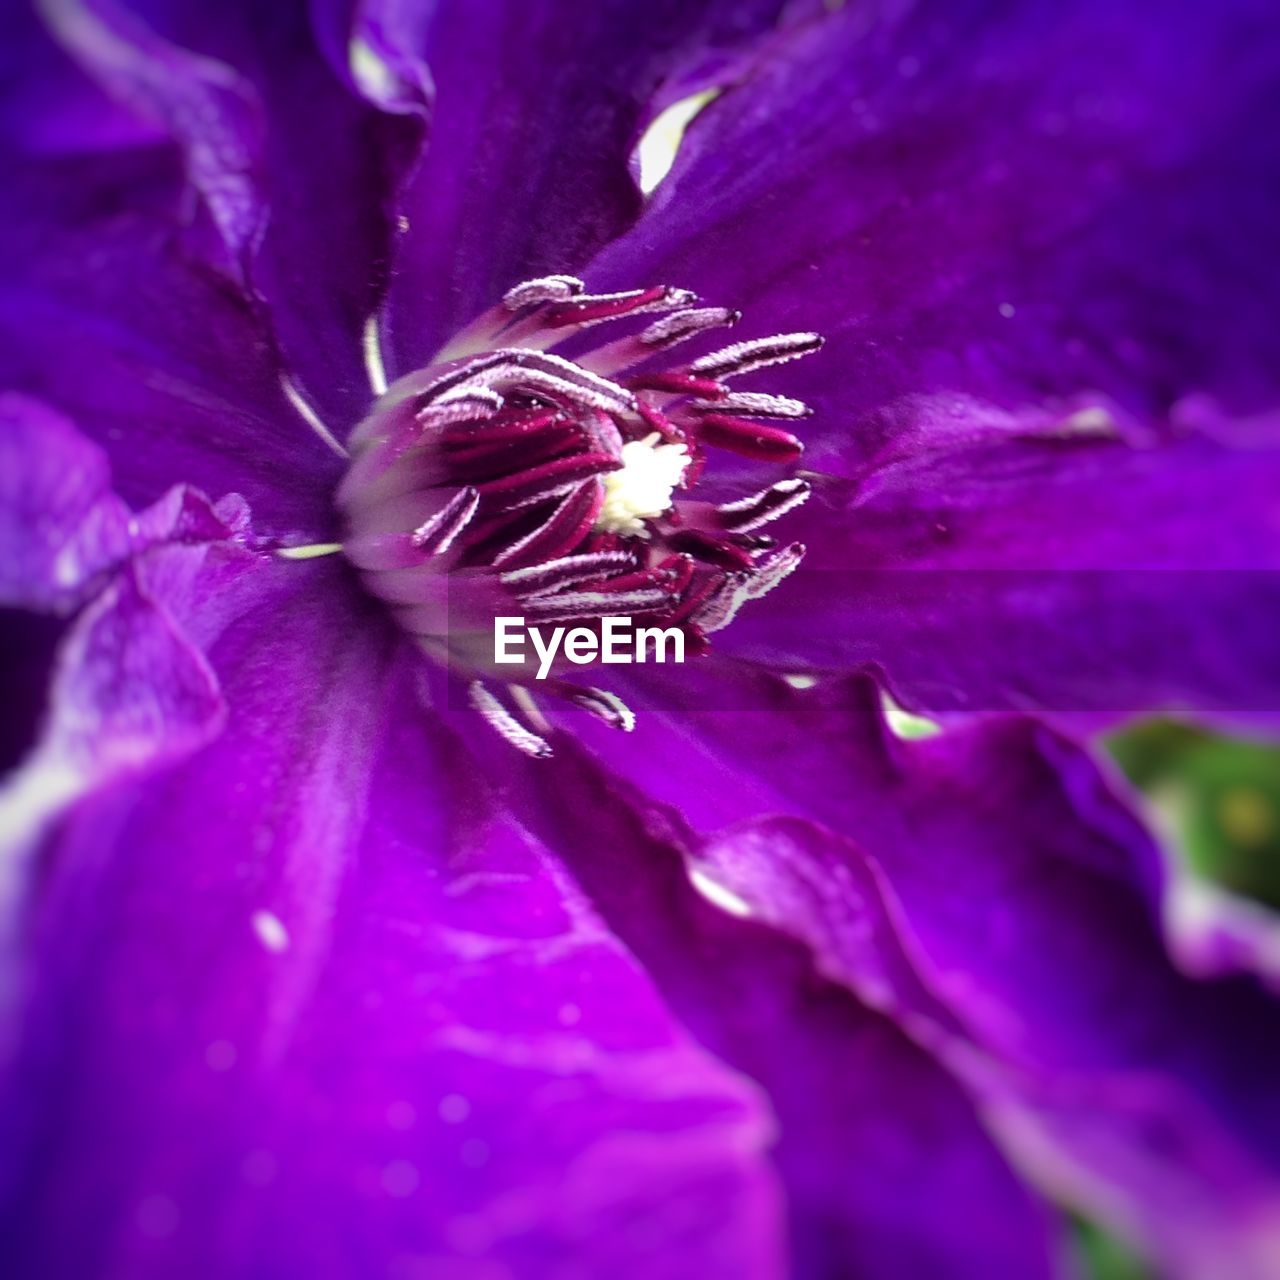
(992, 204)
(110, 316)
(527, 172)
(360, 986)
(1039, 239)
(307, 972)
(887, 1169)
(1071, 575)
(296, 172)
(60, 520)
(988, 888)
(62, 525)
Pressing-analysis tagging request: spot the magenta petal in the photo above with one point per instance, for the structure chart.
(107, 316)
(887, 1170)
(307, 1003)
(1026, 900)
(294, 170)
(60, 521)
(62, 527)
(1068, 575)
(538, 106)
(1003, 205)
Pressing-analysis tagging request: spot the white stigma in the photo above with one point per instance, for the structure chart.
(641, 488)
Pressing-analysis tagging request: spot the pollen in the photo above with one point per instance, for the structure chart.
(642, 487)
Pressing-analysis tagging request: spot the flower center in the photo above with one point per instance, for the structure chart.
(642, 487)
(509, 479)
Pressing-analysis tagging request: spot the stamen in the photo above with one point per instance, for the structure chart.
(592, 604)
(749, 439)
(549, 384)
(470, 405)
(678, 384)
(760, 509)
(556, 484)
(594, 308)
(554, 575)
(515, 426)
(550, 478)
(722, 608)
(759, 353)
(604, 706)
(754, 404)
(437, 535)
(711, 550)
(566, 527)
(544, 289)
(686, 324)
(506, 724)
(773, 571)
(517, 365)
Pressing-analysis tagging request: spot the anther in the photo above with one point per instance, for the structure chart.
(571, 521)
(594, 308)
(567, 571)
(758, 353)
(748, 439)
(506, 724)
(672, 329)
(474, 404)
(549, 479)
(437, 535)
(603, 705)
(572, 605)
(545, 289)
(678, 384)
(754, 404)
(760, 509)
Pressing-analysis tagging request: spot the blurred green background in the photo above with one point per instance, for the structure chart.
(1218, 797)
(1215, 799)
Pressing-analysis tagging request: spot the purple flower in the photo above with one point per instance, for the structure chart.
(686, 971)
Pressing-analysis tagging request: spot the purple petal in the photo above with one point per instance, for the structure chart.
(207, 112)
(1214, 932)
(984, 207)
(106, 315)
(62, 527)
(538, 107)
(295, 170)
(886, 1168)
(1026, 898)
(1073, 574)
(60, 522)
(309, 1003)
(58, 109)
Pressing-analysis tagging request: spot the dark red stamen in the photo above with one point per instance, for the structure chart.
(555, 488)
(710, 549)
(748, 439)
(580, 312)
(679, 384)
(549, 477)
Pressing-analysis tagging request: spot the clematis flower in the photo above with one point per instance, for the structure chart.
(328, 334)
